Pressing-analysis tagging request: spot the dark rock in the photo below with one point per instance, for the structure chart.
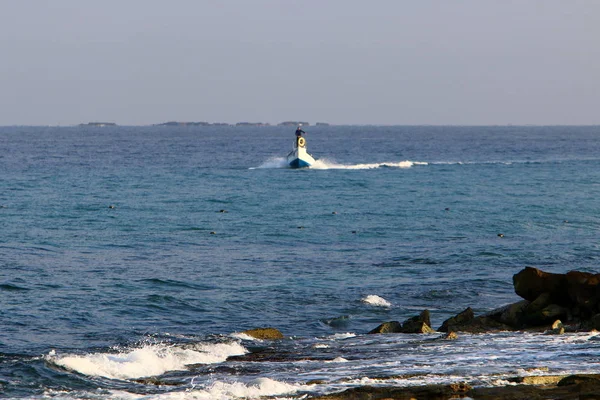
(578, 379)
(451, 336)
(388, 327)
(418, 324)
(264, 333)
(594, 322)
(575, 387)
(462, 318)
(530, 283)
(557, 328)
(467, 322)
(510, 314)
(584, 291)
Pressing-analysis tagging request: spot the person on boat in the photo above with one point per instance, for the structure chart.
(299, 133)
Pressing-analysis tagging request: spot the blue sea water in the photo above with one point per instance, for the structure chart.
(136, 252)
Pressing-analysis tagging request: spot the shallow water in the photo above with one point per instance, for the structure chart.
(110, 273)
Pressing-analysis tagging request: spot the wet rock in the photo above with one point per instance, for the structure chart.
(557, 328)
(429, 392)
(578, 379)
(466, 321)
(537, 380)
(460, 319)
(264, 333)
(451, 336)
(388, 327)
(510, 314)
(541, 388)
(418, 324)
(156, 382)
(584, 291)
(594, 322)
(530, 283)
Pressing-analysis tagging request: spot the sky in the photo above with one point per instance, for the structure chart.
(381, 62)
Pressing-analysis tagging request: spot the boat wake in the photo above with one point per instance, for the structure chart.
(322, 163)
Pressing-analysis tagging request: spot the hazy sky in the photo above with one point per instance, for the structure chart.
(338, 61)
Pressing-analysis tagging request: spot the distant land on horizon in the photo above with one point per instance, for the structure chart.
(282, 124)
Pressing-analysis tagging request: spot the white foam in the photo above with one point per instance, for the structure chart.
(149, 360)
(346, 335)
(375, 300)
(273, 162)
(245, 336)
(337, 360)
(323, 163)
(255, 389)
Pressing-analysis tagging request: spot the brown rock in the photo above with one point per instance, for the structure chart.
(264, 333)
(388, 327)
(538, 380)
(530, 283)
(584, 291)
(460, 319)
(510, 314)
(418, 324)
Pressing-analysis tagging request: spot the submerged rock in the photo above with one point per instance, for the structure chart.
(264, 333)
(417, 324)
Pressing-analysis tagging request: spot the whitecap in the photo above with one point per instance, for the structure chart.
(149, 360)
(375, 300)
(273, 162)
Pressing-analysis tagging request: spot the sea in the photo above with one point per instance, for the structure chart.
(132, 259)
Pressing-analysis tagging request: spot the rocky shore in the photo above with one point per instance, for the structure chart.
(574, 387)
(552, 303)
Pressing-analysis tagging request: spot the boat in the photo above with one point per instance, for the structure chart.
(299, 157)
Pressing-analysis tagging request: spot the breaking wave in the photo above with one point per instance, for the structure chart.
(149, 360)
(258, 388)
(375, 300)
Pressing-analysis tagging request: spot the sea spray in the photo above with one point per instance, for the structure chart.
(149, 360)
(257, 388)
(375, 300)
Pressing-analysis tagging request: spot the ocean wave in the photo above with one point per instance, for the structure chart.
(258, 388)
(149, 360)
(375, 300)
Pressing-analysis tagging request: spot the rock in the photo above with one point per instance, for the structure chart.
(584, 291)
(462, 318)
(578, 379)
(264, 333)
(530, 283)
(557, 324)
(510, 314)
(538, 380)
(467, 322)
(417, 327)
(557, 328)
(569, 388)
(388, 327)
(418, 324)
(594, 322)
(451, 336)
